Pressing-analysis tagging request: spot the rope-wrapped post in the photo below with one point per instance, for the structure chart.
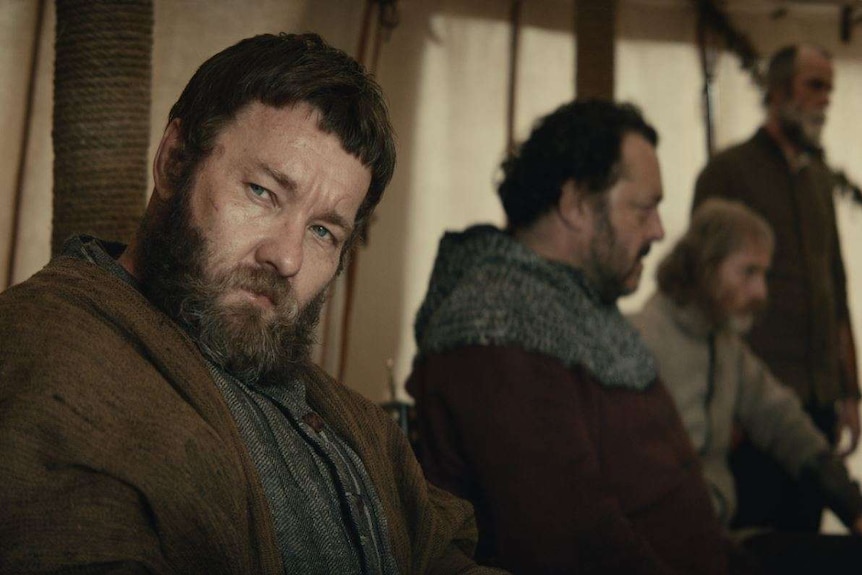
(101, 117)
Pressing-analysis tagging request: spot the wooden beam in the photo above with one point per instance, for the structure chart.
(595, 29)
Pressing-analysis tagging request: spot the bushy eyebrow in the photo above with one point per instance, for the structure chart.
(335, 219)
(280, 177)
(331, 217)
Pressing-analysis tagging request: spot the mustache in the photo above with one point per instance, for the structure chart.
(260, 281)
(200, 290)
(757, 306)
(817, 116)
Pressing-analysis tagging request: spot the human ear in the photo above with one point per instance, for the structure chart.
(165, 162)
(574, 205)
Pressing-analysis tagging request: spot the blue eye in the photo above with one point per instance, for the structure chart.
(321, 231)
(259, 191)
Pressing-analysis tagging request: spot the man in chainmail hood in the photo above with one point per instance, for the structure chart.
(537, 401)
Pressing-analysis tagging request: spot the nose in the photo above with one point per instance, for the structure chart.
(759, 289)
(282, 250)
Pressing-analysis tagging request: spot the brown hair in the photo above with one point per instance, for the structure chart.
(281, 70)
(718, 229)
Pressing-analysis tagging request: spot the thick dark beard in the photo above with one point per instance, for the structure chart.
(608, 281)
(608, 286)
(172, 260)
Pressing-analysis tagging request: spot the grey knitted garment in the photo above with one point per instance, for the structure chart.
(326, 513)
(489, 289)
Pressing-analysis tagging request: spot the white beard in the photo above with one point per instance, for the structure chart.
(805, 128)
(740, 324)
(812, 126)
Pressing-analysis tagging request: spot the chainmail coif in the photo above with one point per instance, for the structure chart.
(489, 289)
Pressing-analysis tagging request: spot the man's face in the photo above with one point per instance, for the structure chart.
(257, 237)
(802, 113)
(739, 289)
(626, 221)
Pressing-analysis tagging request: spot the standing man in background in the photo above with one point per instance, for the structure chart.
(805, 336)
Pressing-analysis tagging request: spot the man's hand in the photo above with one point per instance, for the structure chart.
(848, 416)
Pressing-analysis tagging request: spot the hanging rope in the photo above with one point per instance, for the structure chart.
(714, 28)
(711, 17)
(101, 117)
(381, 29)
(709, 54)
(367, 22)
(514, 49)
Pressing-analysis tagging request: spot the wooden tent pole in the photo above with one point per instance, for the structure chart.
(35, 55)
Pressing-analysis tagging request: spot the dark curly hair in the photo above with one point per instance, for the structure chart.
(279, 71)
(579, 141)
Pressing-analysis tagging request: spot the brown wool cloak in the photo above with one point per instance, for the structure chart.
(117, 451)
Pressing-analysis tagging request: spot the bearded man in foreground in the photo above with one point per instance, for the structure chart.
(160, 412)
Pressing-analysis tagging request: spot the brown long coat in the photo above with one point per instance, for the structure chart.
(117, 452)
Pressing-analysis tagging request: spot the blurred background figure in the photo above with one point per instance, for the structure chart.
(805, 336)
(710, 288)
(536, 399)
